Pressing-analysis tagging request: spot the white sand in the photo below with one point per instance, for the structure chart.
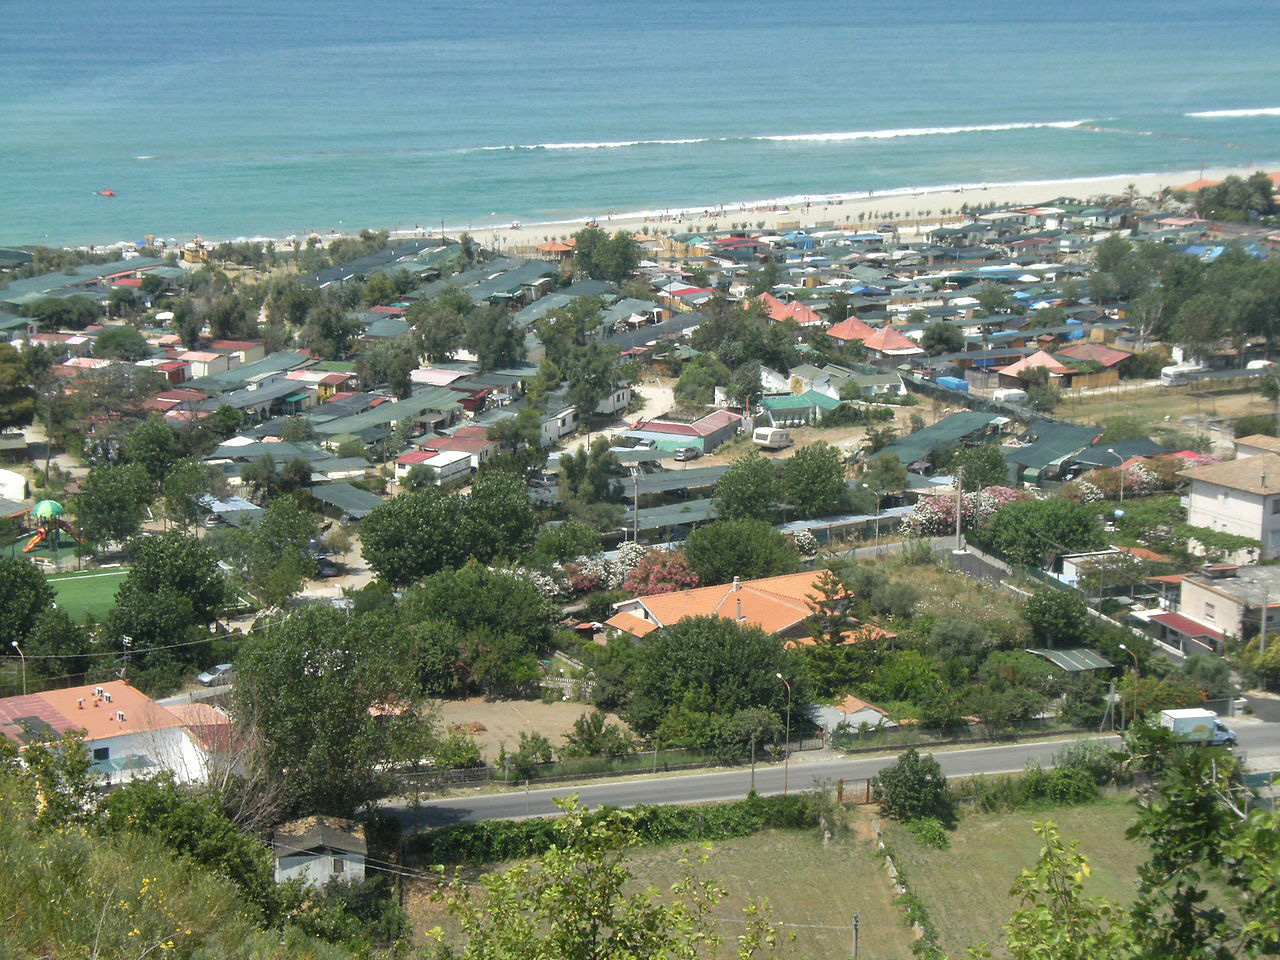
(920, 208)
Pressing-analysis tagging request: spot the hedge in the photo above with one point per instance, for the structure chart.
(492, 841)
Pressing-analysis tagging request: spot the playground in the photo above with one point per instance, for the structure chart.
(91, 592)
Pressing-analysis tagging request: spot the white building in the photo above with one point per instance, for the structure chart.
(1240, 497)
(318, 850)
(126, 732)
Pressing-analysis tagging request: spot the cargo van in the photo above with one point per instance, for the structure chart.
(771, 438)
(1010, 395)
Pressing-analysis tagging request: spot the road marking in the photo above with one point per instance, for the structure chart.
(57, 578)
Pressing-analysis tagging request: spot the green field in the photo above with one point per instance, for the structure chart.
(813, 891)
(966, 887)
(92, 592)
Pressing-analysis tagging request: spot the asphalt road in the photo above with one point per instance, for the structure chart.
(734, 784)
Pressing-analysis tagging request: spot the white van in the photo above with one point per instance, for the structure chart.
(1179, 373)
(771, 438)
(1010, 395)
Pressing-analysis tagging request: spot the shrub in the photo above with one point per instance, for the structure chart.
(1089, 756)
(929, 832)
(913, 787)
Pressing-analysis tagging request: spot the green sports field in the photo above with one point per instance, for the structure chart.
(91, 592)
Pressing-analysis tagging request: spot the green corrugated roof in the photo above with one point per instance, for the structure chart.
(946, 433)
(1075, 659)
(350, 500)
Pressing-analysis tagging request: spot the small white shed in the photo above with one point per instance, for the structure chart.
(318, 850)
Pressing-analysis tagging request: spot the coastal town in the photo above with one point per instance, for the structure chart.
(792, 536)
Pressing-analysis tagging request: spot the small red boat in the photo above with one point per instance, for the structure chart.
(106, 193)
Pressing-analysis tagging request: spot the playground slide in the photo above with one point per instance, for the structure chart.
(31, 544)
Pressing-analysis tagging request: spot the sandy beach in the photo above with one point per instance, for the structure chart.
(921, 207)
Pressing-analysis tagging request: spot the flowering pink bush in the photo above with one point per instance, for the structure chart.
(936, 516)
(660, 571)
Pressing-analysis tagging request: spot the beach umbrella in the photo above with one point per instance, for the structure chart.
(47, 510)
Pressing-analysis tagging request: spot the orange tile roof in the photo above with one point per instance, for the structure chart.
(1142, 553)
(887, 338)
(773, 604)
(852, 704)
(1037, 359)
(76, 708)
(851, 329)
(630, 623)
(1195, 186)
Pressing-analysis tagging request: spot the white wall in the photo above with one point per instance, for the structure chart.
(317, 869)
(168, 749)
(1234, 511)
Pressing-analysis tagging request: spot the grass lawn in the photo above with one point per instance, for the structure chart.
(966, 887)
(1162, 406)
(808, 886)
(946, 593)
(91, 592)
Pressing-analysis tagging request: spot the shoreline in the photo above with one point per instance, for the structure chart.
(922, 203)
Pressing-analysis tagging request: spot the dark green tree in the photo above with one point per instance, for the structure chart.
(494, 337)
(941, 337)
(499, 515)
(812, 481)
(416, 534)
(120, 343)
(440, 324)
(26, 595)
(748, 490)
(734, 666)
(110, 503)
(1029, 531)
(749, 549)
(983, 466)
(311, 685)
(155, 446)
(17, 391)
(1058, 618)
(279, 555)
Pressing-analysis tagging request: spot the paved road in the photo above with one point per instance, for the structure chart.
(732, 785)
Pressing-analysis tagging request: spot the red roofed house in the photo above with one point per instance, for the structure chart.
(795, 311)
(888, 342)
(704, 434)
(480, 451)
(777, 605)
(849, 330)
(127, 733)
(448, 465)
(1011, 376)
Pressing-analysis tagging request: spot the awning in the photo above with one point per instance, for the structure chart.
(1186, 626)
(1075, 659)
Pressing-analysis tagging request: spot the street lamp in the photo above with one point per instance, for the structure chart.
(1135, 680)
(786, 757)
(1121, 468)
(24, 665)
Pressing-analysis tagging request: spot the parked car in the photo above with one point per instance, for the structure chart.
(327, 568)
(688, 453)
(222, 673)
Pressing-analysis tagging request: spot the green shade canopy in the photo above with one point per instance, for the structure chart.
(47, 510)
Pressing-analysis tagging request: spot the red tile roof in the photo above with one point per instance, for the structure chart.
(851, 329)
(1186, 626)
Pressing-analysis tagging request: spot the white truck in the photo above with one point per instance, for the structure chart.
(1179, 373)
(1196, 725)
(771, 438)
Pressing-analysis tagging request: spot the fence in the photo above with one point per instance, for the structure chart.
(885, 738)
(656, 761)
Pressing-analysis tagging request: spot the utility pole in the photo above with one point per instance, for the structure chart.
(959, 509)
(856, 920)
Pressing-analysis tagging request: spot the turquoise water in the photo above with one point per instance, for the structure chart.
(247, 117)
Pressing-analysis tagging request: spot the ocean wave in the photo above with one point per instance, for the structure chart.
(604, 145)
(1258, 112)
(922, 131)
(797, 137)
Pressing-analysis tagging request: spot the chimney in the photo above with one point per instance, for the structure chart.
(80, 703)
(120, 715)
(739, 609)
(737, 583)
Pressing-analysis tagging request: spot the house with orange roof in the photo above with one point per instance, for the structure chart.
(850, 713)
(888, 342)
(126, 732)
(796, 311)
(777, 605)
(846, 331)
(1195, 186)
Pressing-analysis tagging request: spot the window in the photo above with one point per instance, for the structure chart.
(1275, 506)
(339, 864)
(1209, 611)
(101, 753)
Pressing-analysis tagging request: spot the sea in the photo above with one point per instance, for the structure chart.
(244, 118)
